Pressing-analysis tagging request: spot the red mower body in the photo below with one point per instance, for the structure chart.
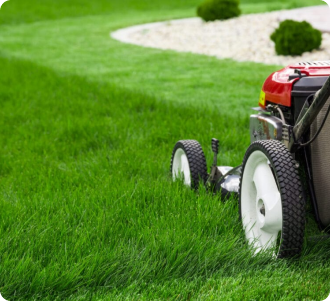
(280, 87)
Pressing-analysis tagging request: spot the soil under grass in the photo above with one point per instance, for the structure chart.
(88, 210)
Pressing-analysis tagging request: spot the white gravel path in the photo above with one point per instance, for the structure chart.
(246, 38)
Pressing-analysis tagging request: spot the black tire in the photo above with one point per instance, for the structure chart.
(285, 174)
(196, 161)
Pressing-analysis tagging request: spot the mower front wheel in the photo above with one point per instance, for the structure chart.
(271, 202)
(188, 163)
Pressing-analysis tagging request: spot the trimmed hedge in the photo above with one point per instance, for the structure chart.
(295, 38)
(211, 10)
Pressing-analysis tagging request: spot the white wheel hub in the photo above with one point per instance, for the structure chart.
(261, 205)
(180, 168)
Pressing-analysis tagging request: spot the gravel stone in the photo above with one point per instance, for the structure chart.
(246, 38)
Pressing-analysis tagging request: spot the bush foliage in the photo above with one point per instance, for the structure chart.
(295, 38)
(211, 10)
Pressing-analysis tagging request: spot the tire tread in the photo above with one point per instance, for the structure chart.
(292, 197)
(196, 159)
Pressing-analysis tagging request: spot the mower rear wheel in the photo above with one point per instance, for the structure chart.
(271, 202)
(188, 163)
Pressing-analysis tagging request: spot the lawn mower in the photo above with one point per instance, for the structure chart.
(287, 162)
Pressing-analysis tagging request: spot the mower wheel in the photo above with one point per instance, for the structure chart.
(188, 163)
(271, 201)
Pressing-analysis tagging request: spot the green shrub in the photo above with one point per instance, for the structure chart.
(211, 10)
(295, 38)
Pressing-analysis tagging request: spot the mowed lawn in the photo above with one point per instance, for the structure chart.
(87, 127)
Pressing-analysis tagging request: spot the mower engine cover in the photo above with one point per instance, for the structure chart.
(281, 86)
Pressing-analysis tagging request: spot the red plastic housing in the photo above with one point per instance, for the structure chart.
(278, 87)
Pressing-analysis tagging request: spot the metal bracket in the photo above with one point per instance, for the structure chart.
(215, 174)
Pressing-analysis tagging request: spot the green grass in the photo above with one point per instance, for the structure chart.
(21, 11)
(88, 211)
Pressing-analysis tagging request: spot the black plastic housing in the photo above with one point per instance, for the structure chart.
(302, 89)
